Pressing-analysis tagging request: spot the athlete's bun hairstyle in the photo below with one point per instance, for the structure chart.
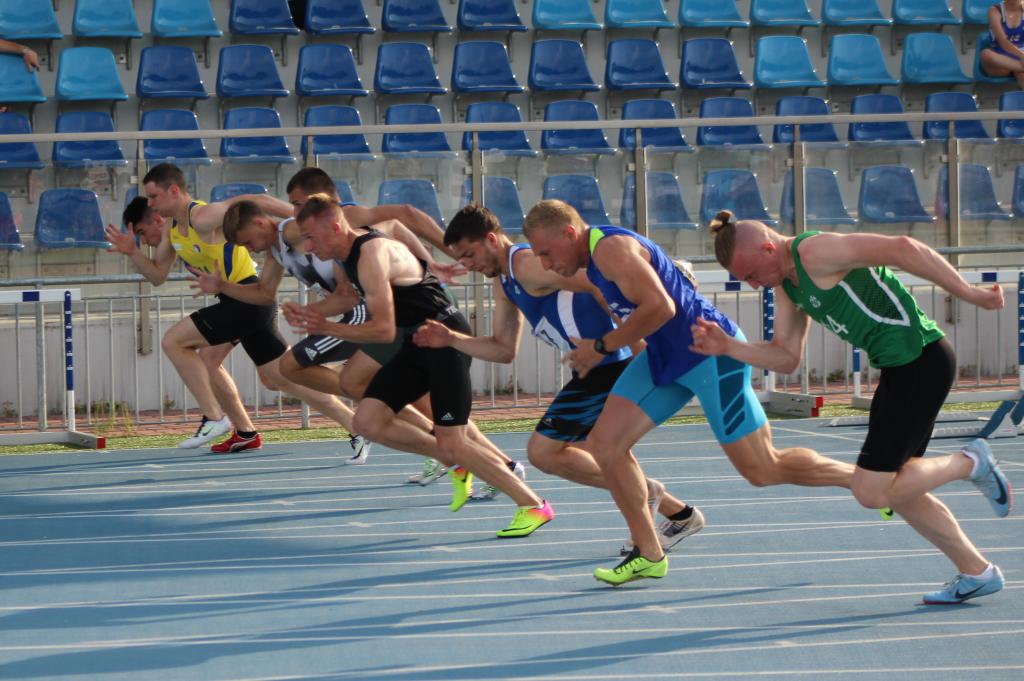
(317, 205)
(238, 216)
(473, 222)
(723, 226)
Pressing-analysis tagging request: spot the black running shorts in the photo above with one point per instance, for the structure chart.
(415, 371)
(574, 411)
(903, 410)
(232, 321)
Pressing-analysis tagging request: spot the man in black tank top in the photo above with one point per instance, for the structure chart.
(398, 291)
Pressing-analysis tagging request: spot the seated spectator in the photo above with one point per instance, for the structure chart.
(1004, 57)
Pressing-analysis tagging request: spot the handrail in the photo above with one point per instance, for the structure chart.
(529, 126)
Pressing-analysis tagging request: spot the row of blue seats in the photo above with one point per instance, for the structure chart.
(194, 18)
(510, 143)
(782, 62)
(70, 218)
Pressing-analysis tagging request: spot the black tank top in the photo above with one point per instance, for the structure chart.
(413, 303)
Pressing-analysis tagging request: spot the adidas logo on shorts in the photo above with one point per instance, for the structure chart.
(448, 417)
(311, 353)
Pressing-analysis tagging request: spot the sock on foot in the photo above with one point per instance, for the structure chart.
(511, 465)
(247, 434)
(682, 515)
(984, 574)
(974, 461)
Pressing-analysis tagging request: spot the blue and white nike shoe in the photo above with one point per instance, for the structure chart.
(989, 480)
(963, 588)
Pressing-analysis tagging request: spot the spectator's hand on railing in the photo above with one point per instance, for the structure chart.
(206, 282)
(120, 242)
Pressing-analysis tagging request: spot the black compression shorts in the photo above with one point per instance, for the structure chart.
(415, 371)
(903, 410)
(232, 321)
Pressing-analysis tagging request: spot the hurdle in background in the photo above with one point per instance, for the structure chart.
(69, 435)
(1006, 420)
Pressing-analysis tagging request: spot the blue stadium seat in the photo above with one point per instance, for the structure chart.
(888, 194)
(975, 12)
(559, 65)
(483, 66)
(21, 86)
(582, 193)
(744, 136)
(896, 133)
(20, 20)
(337, 17)
(184, 19)
(415, 192)
(10, 238)
(856, 60)
(20, 155)
(489, 15)
(180, 150)
(822, 199)
(781, 13)
(564, 15)
(223, 192)
(509, 142)
(782, 61)
(636, 14)
(923, 13)
(709, 63)
(1010, 128)
(344, 190)
(88, 74)
(261, 17)
(665, 207)
(169, 72)
(568, 141)
(984, 41)
(405, 68)
(423, 144)
(930, 58)
(853, 13)
(254, 149)
(327, 70)
(817, 133)
(1018, 192)
(91, 152)
(710, 14)
(956, 102)
(734, 190)
(69, 218)
(105, 19)
(977, 194)
(658, 139)
(636, 64)
(351, 147)
(413, 16)
(248, 71)
(502, 198)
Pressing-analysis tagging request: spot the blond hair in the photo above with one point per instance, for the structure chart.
(317, 205)
(552, 213)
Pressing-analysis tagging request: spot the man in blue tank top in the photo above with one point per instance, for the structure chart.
(557, 307)
(657, 303)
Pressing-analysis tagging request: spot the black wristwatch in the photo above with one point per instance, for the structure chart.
(599, 347)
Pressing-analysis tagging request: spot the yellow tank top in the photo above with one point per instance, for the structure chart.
(235, 262)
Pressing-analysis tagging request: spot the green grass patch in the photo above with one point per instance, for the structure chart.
(489, 426)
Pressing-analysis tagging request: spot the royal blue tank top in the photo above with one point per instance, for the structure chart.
(561, 314)
(1015, 34)
(667, 348)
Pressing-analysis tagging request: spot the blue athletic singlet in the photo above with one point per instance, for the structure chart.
(1014, 34)
(667, 348)
(561, 314)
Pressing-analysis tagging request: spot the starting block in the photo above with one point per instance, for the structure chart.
(1005, 422)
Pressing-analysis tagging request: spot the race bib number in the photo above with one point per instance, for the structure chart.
(547, 332)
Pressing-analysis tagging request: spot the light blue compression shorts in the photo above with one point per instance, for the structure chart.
(722, 385)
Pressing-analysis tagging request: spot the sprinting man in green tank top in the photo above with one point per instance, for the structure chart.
(844, 282)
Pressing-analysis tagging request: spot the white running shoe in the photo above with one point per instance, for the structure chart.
(206, 432)
(490, 491)
(671, 532)
(360, 450)
(432, 470)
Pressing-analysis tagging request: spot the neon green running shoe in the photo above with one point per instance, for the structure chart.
(887, 513)
(462, 487)
(634, 566)
(527, 519)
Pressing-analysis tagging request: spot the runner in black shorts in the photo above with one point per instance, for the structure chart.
(400, 292)
(552, 304)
